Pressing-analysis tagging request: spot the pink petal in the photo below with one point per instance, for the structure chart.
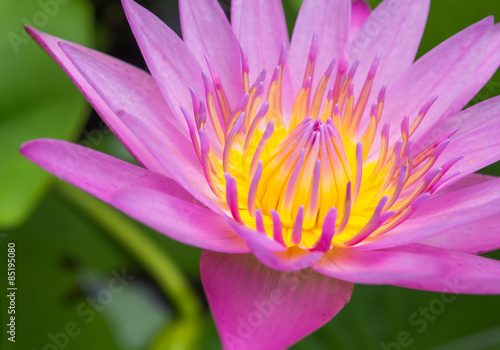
(94, 172)
(171, 148)
(468, 181)
(360, 11)
(330, 21)
(478, 137)
(477, 237)
(178, 219)
(173, 66)
(458, 273)
(120, 96)
(137, 78)
(449, 71)
(271, 253)
(443, 212)
(394, 29)
(374, 266)
(206, 30)
(415, 266)
(260, 27)
(256, 307)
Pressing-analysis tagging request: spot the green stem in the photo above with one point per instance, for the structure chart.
(159, 265)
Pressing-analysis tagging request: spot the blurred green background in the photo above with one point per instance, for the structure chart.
(70, 246)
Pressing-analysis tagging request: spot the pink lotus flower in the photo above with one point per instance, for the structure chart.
(335, 155)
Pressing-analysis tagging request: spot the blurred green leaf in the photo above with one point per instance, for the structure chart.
(182, 334)
(56, 249)
(37, 99)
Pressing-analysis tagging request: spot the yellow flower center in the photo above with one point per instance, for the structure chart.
(310, 178)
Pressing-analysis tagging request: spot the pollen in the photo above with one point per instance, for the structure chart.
(324, 174)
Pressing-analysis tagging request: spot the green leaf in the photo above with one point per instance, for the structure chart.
(37, 98)
(59, 253)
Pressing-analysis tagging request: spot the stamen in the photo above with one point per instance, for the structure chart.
(430, 162)
(196, 102)
(297, 227)
(384, 137)
(423, 111)
(192, 132)
(300, 104)
(292, 184)
(255, 97)
(371, 130)
(251, 132)
(221, 95)
(277, 228)
(363, 97)
(214, 117)
(417, 202)
(245, 69)
(328, 231)
(259, 221)
(347, 209)
(446, 167)
(381, 101)
(230, 138)
(232, 197)
(371, 225)
(205, 149)
(312, 208)
(393, 166)
(313, 52)
(262, 144)
(359, 171)
(242, 105)
(402, 175)
(252, 192)
(320, 90)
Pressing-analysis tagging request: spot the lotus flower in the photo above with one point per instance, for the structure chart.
(301, 167)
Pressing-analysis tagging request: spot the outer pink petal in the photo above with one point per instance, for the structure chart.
(444, 212)
(460, 272)
(468, 181)
(173, 66)
(260, 27)
(119, 96)
(94, 172)
(374, 267)
(478, 137)
(360, 11)
(183, 221)
(330, 21)
(449, 71)
(394, 29)
(256, 307)
(206, 30)
(137, 78)
(171, 148)
(416, 266)
(478, 237)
